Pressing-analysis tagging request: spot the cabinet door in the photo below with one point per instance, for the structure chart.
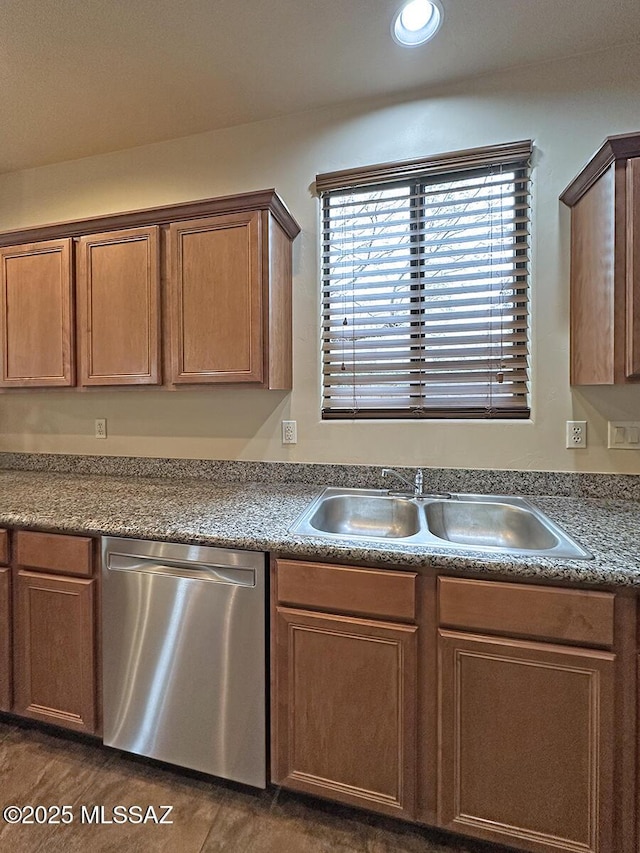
(5, 639)
(36, 314)
(345, 710)
(526, 743)
(215, 294)
(54, 650)
(118, 292)
(633, 269)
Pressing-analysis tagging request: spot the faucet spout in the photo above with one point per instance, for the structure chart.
(416, 486)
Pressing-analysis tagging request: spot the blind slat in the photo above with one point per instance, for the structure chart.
(381, 217)
(432, 327)
(428, 302)
(402, 380)
(452, 364)
(404, 192)
(498, 269)
(425, 291)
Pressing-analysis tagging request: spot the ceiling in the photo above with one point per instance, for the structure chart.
(83, 77)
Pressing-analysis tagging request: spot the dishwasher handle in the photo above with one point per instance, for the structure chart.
(174, 568)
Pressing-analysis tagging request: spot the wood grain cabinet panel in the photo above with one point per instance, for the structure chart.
(581, 617)
(4, 547)
(526, 743)
(56, 553)
(36, 314)
(5, 639)
(605, 265)
(198, 291)
(118, 293)
(216, 299)
(632, 203)
(54, 650)
(372, 593)
(346, 710)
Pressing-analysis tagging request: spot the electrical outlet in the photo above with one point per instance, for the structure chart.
(101, 427)
(624, 435)
(576, 434)
(289, 432)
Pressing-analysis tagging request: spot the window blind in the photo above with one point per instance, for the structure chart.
(425, 275)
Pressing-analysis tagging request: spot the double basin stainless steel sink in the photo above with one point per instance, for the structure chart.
(492, 523)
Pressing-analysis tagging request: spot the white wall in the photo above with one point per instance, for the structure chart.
(567, 107)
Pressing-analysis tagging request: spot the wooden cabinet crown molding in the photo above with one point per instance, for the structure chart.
(268, 200)
(615, 148)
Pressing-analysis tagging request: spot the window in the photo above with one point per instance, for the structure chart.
(425, 269)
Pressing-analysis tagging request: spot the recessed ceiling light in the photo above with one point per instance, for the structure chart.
(416, 22)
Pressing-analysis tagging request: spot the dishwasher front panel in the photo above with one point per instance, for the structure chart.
(184, 661)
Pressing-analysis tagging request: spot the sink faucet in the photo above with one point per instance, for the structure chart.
(417, 484)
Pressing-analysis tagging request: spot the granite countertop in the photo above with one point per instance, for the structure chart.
(257, 516)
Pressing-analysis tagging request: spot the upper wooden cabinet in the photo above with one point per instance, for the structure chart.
(215, 295)
(118, 290)
(224, 315)
(36, 314)
(605, 265)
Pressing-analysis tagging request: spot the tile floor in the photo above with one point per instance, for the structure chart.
(40, 767)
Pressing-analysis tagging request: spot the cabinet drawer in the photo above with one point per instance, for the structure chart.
(4, 547)
(347, 589)
(543, 613)
(54, 552)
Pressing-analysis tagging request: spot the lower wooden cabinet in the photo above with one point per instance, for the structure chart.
(54, 658)
(5, 639)
(346, 709)
(55, 630)
(526, 743)
(516, 731)
(510, 738)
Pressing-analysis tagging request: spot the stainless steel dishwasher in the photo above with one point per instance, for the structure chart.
(184, 664)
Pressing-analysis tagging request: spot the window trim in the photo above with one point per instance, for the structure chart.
(435, 164)
(405, 172)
